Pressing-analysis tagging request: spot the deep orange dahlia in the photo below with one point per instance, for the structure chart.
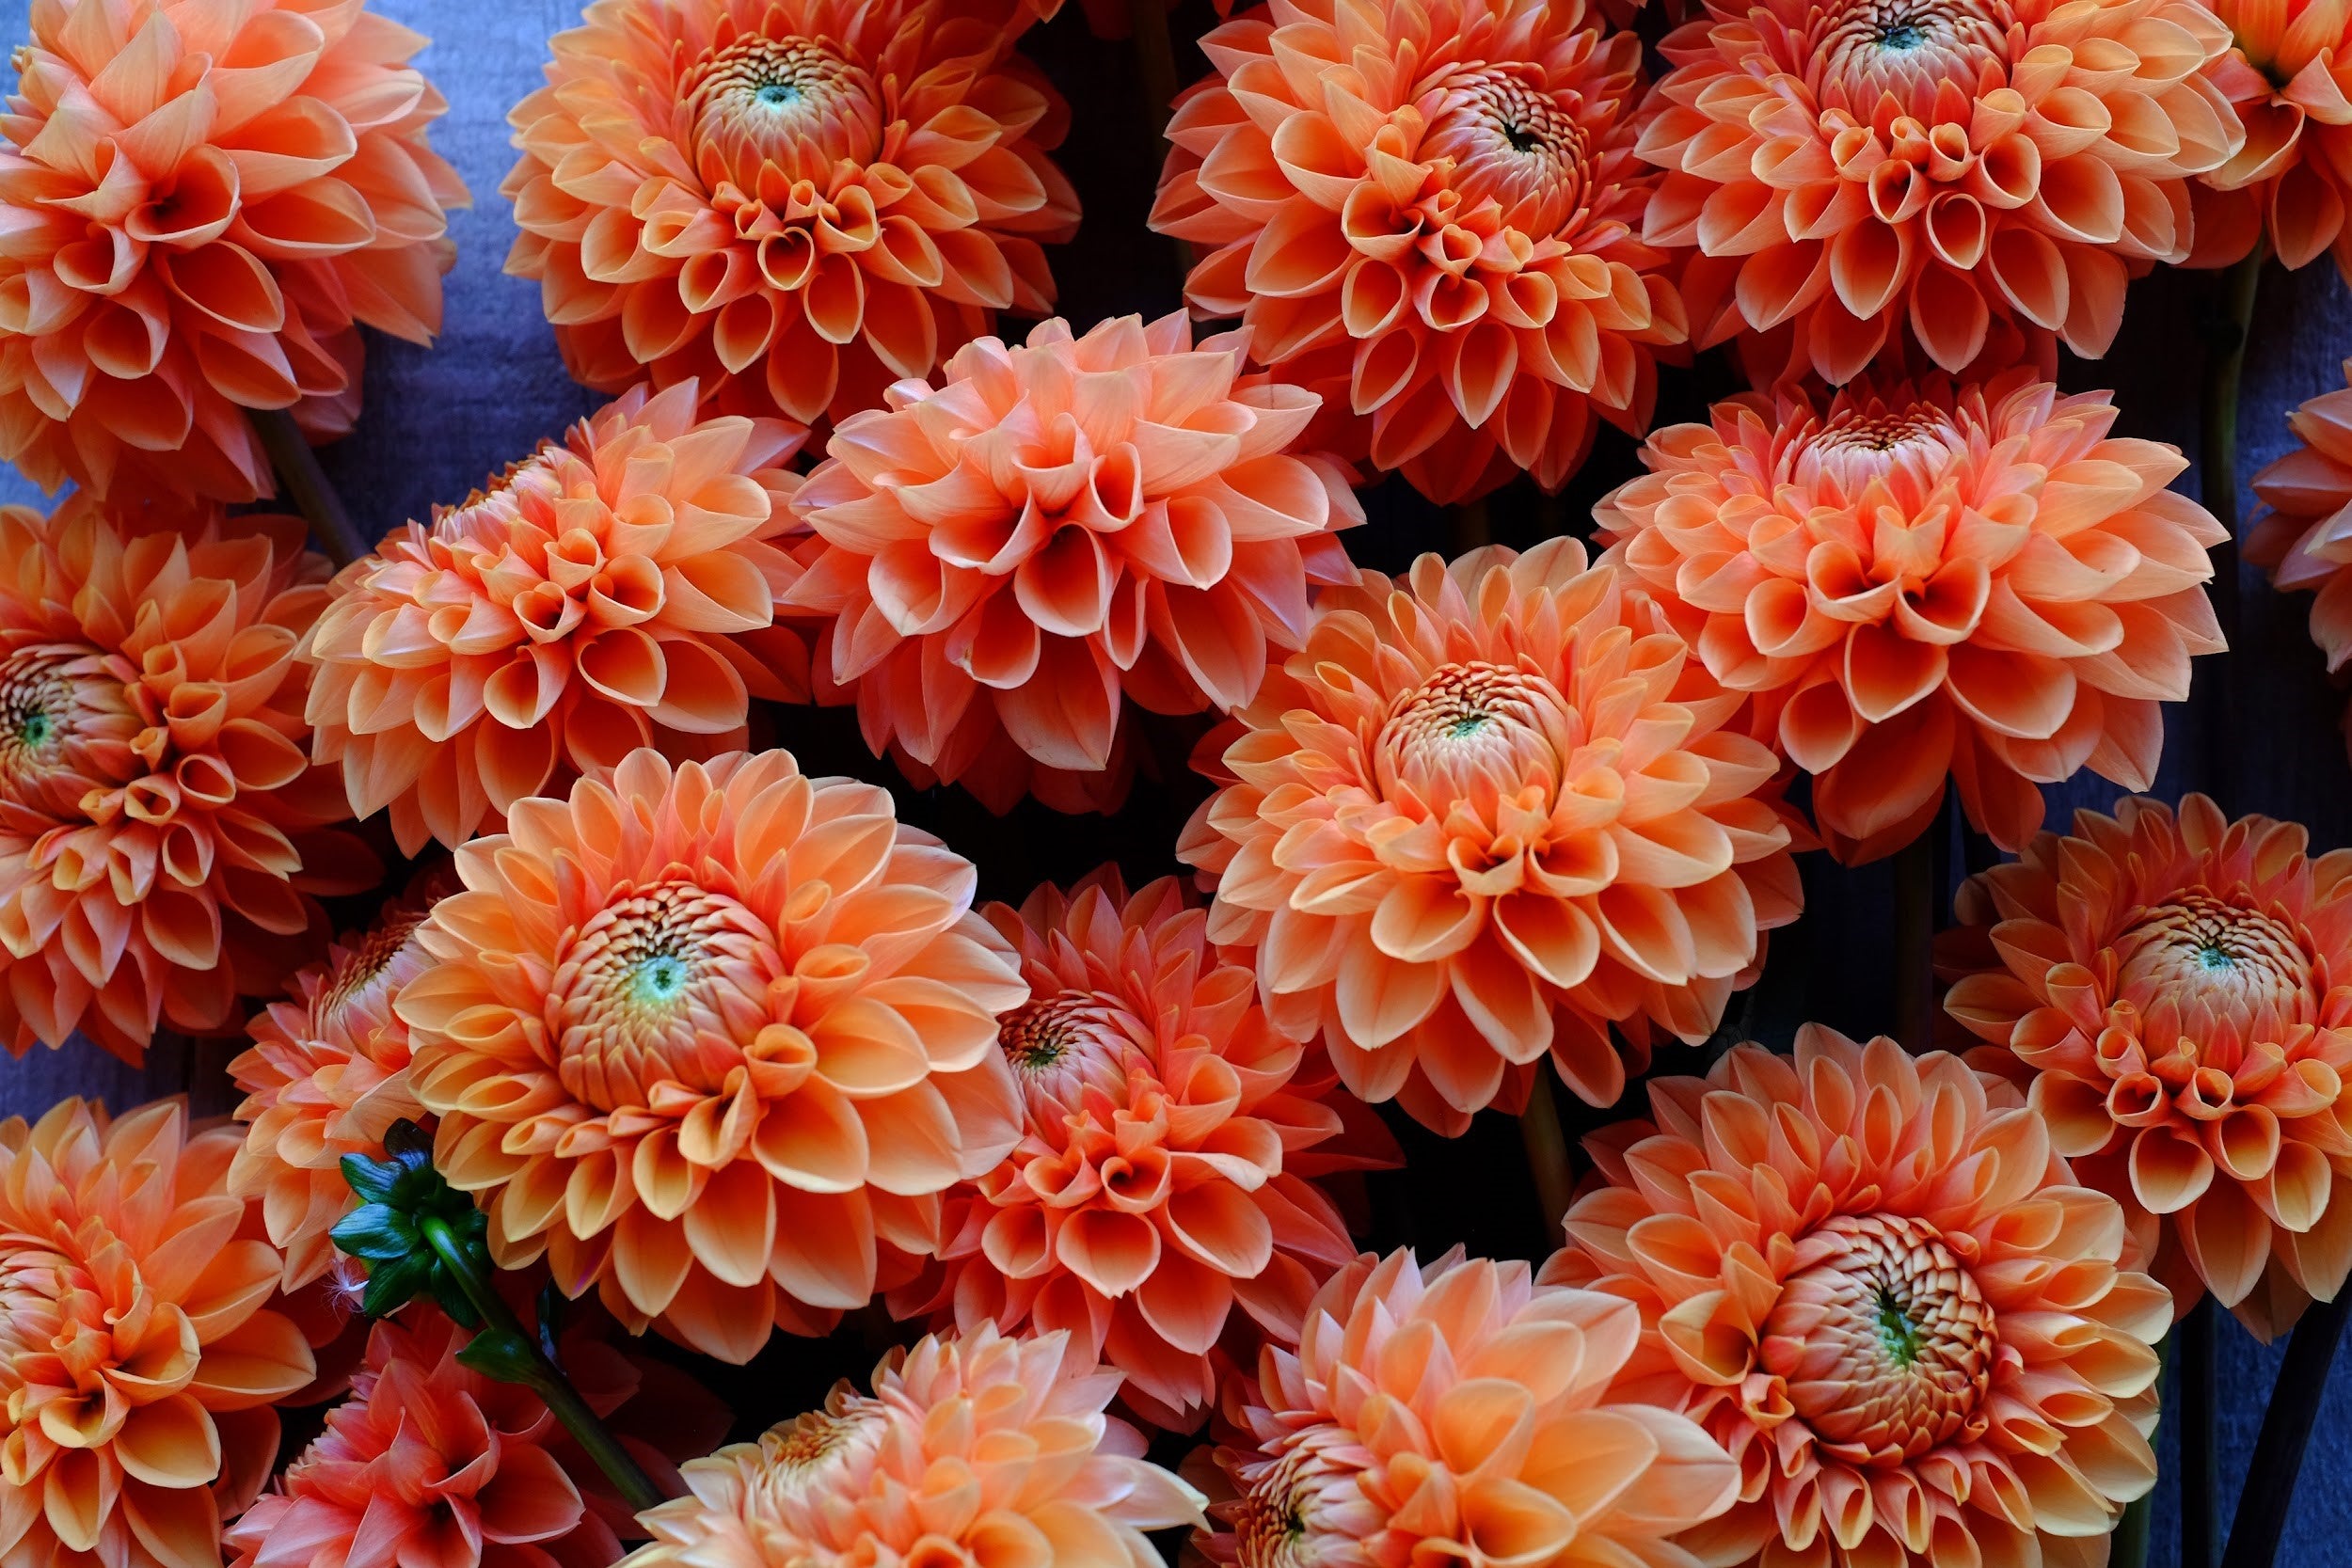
(2177, 994)
(203, 205)
(162, 829)
(1870, 1278)
(796, 202)
(972, 1452)
(713, 1039)
(1426, 211)
(1062, 526)
(137, 1362)
(2289, 77)
(2302, 534)
(1459, 1412)
(615, 592)
(1918, 580)
(1851, 170)
(1489, 812)
(1157, 1183)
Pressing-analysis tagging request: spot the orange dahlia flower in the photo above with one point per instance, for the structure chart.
(1425, 210)
(326, 1074)
(1490, 811)
(713, 1040)
(2288, 76)
(1854, 168)
(162, 830)
(2176, 993)
(204, 203)
(137, 1362)
(1867, 1275)
(973, 1450)
(1157, 1183)
(1062, 524)
(1927, 580)
(2302, 534)
(1460, 1411)
(796, 202)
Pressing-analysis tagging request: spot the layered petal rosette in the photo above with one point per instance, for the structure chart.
(713, 1039)
(2289, 79)
(1460, 1411)
(1920, 581)
(1159, 1184)
(139, 1362)
(1429, 211)
(204, 203)
(1489, 812)
(162, 829)
(1061, 527)
(1857, 170)
(613, 592)
(1871, 1279)
(975, 1451)
(2303, 534)
(793, 202)
(2175, 991)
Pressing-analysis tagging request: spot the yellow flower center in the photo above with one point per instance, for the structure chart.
(2216, 960)
(1883, 1340)
(797, 103)
(362, 971)
(66, 722)
(1906, 50)
(1059, 1045)
(1512, 141)
(1473, 732)
(800, 1456)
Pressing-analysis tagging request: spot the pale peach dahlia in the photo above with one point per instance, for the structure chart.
(1920, 581)
(162, 829)
(138, 1363)
(1854, 170)
(1157, 1184)
(1870, 1278)
(1429, 211)
(713, 1040)
(975, 1451)
(796, 202)
(616, 591)
(203, 200)
(2303, 533)
(2176, 991)
(1063, 526)
(1488, 811)
(1460, 1411)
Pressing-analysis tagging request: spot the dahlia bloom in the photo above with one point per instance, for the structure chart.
(1490, 811)
(1061, 525)
(204, 202)
(137, 1362)
(1460, 1411)
(2288, 76)
(1925, 580)
(1426, 211)
(794, 203)
(1870, 1278)
(162, 830)
(1157, 1183)
(615, 592)
(1853, 169)
(2176, 993)
(970, 1450)
(2304, 534)
(712, 1039)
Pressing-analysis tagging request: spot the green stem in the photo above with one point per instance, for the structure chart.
(2127, 1546)
(305, 484)
(528, 1364)
(1547, 1151)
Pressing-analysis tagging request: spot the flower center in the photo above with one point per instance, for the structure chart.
(802, 1454)
(1472, 732)
(1061, 1045)
(360, 976)
(797, 105)
(1514, 143)
(1907, 51)
(2218, 960)
(1883, 1340)
(66, 724)
(1306, 1508)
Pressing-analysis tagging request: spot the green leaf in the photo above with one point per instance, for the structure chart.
(373, 1180)
(504, 1355)
(393, 1285)
(376, 1233)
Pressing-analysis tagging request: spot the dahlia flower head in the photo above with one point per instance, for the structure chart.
(1161, 1178)
(972, 1449)
(2302, 534)
(162, 829)
(139, 1362)
(2288, 77)
(1458, 1411)
(1488, 812)
(1429, 211)
(1871, 1279)
(1925, 580)
(1856, 170)
(325, 1076)
(1059, 527)
(205, 201)
(616, 591)
(2174, 991)
(713, 1039)
(793, 202)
